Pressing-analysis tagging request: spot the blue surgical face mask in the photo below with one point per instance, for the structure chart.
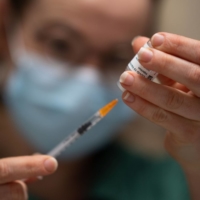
(48, 100)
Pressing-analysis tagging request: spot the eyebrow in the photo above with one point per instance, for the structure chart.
(63, 26)
(74, 33)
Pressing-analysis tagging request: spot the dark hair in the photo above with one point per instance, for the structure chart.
(19, 5)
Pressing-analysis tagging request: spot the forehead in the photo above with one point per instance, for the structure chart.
(99, 20)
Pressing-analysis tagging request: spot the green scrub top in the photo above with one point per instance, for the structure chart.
(121, 175)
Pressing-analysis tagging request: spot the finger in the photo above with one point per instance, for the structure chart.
(165, 80)
(18, 168)
(13, 191)
(177, 69)
(183, 128)
(169, 82)
(138, 42)
(183, 47)
(164, 97)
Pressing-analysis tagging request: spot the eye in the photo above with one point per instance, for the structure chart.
(55, 44)
(59, 46)
(63, 48)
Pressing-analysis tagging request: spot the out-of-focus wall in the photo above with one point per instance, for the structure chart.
(180, 17)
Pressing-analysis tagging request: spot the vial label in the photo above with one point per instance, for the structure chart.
(135, 65)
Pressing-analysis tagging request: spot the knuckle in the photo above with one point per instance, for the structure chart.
(141, 109)
(32, 169)
(18, 191)
(143, 89)
(174, 44)
(4, 170)
(159, 116)
(194, 76)
(174, 101)
(164, 62)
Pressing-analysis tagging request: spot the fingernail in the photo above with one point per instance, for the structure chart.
(132, 42)
(129, 97)
(50, 164)
(126, 78)
(145, 55)
(40, 177)
(36, 154)
(157, 40)
(120, 86)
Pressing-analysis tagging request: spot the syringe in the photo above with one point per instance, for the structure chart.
(82, 129)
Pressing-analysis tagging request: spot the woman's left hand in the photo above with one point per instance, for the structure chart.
(175, 103)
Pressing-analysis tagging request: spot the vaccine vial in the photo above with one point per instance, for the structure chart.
(135, 65)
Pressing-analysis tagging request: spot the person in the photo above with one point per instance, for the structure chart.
(57, 50)
(61, 52)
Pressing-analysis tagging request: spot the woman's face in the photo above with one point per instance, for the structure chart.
(92, 32)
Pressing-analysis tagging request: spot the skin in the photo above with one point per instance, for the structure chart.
(177, 103)
(16, 171)
(176, 106)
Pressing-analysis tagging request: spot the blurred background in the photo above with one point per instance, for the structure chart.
(180, 17)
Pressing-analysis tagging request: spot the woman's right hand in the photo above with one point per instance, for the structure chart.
(14, 171)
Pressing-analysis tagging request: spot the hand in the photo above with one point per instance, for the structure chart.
(14, 170)
(174, 104)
